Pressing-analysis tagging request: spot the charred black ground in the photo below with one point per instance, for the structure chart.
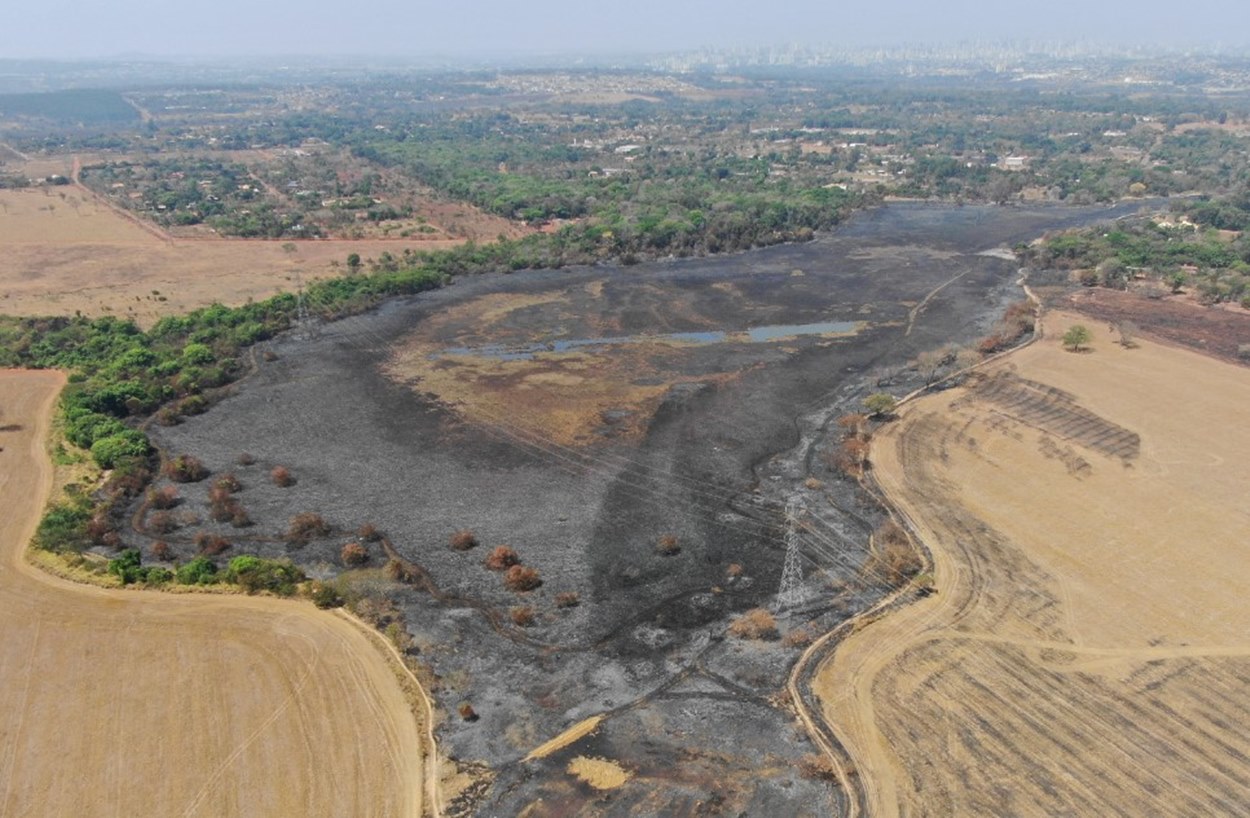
(695, 716)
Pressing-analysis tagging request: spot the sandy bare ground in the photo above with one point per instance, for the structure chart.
(1088, 649)
(66, 251)
(131, 703)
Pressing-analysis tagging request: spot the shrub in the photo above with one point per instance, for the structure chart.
(522, 616)
(282, 477)
(199, 571)
(102, 531)
(185, 469)
(466, 711)
(228, 483)
(165, 497)
(502, 558)
(568, 599)
(245, 459)
(211, 544)
(158, 576)
(400, 571)
(893, 559)
(353, 554)
(127, 566)
(257, 574)
(162, 551)
(880, 404)
(63, 527)
(817, 767)
(463, 540)
(109, 452)
(306, 527)
(798, 638)
(240, 518)
(667, 546)
(851, 457)
(162, 522)
(369, 533)
(734, 570)
(324, 595)
(756, 623)
(522, 578)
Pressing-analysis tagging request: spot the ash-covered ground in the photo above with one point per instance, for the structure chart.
(706, 445)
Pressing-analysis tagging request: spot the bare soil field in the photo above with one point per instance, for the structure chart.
(132, 703)
(1086, 650)
(67, 252)
(570, 415)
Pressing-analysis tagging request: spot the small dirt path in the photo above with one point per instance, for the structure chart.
(119, 702)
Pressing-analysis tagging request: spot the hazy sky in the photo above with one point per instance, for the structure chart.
(82, 28)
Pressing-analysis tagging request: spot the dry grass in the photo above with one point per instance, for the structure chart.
(70, 254)
(1086, 646)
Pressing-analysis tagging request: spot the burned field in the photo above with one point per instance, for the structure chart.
(632, 435)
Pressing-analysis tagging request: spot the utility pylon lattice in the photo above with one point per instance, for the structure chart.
(791, 594)
(304, 328)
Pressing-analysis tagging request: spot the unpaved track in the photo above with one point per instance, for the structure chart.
(1088, 650)
(116, 703)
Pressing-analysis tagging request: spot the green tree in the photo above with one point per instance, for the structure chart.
(1077, 336)
(880, 404)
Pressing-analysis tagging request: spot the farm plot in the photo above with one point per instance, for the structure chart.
(125, 703)
(1085, 652)
(66, 252)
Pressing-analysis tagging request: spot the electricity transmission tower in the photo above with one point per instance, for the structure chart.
(791, 594)
(305, 329)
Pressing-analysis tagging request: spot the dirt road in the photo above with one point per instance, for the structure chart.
(118, 703)
(1086, 652)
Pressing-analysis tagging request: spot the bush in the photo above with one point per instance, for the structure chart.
(568, 599)
(817, 767)
(109, 452)
(199, 571)
(282, 477)
(880, 404)
(306, 527)
(162, 551)
(521, 578)
(463, 540)
(354, 554)
(228, 483)
(756, 623)
(211, 544)
(369, 533)
(245, 459)
(162, 522)
(798, 638)
(185, 469)
(502, 558)
(324, 595)
(466, 711)
(400, 571)
(64, 526)
(127, 566)
(158, 576)
(163, 498)
(522, 616)
(256, 574)
(667, 546)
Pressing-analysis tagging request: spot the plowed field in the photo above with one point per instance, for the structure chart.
(1088, 648)
(127, 703)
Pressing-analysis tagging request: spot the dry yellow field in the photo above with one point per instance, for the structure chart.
(1088, 648)
(128, 703)
(66, 251)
